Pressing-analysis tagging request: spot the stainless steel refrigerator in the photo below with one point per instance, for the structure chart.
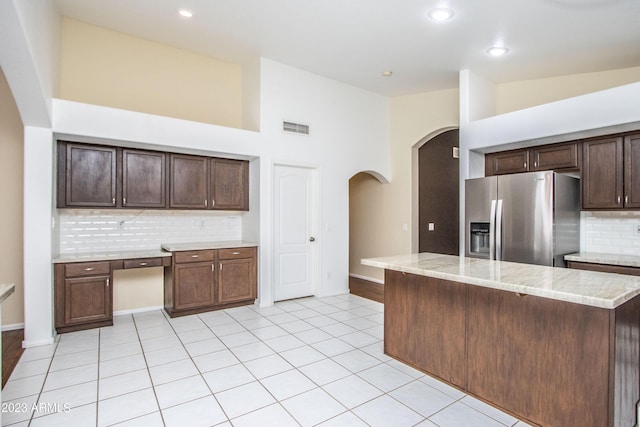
(532, 217)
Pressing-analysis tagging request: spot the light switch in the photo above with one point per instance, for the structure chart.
(432, 226)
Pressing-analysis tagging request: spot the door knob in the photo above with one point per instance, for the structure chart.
(312, 239)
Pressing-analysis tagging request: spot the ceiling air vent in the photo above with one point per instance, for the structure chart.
(295, 128)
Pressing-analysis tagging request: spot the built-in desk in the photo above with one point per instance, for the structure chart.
(83, 291)
(200, 276)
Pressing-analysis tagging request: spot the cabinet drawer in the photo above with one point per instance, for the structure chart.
(87, 269)
(142, 262)
(193, 256)
(236, 253)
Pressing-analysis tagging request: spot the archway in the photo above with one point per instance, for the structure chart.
(436, 193)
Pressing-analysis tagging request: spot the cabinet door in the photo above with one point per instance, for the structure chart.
(557, 156)
(143, 179)
(90, 176)
(193, 285)
(87, 299)
(602, 173)
(188, 182)
(505, 162)
(236, 280)
(632, 171)
(229, 184)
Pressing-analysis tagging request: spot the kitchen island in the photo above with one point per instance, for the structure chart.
(552, 346)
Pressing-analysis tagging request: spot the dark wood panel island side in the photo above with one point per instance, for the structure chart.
(549, 356)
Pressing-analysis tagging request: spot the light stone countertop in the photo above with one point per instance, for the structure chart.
(6, 290)
(604, 290)
(108, 256)
(610, 259)
(197, 246)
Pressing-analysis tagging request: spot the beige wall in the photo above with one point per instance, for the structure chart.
(11, 188)
(108, 68)
(139, 288)
(518, 95)
(379, 211)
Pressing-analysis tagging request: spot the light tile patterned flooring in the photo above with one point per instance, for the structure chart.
(312, 361)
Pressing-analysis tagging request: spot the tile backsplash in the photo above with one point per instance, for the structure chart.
(611, 232)
(81, 231)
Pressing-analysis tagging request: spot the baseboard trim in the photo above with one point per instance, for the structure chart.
(369, 279)
(12, 327)
(138, 310)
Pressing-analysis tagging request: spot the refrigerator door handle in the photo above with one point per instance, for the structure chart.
(492, 231)
(499, 230)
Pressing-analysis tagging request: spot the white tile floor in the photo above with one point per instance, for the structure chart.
(305, 362)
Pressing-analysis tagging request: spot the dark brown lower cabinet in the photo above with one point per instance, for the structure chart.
(207, 280)
(437, 303)
(548, 362)
(83, 296)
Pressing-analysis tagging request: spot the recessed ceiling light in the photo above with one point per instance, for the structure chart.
(497, 51)
(387, 73)
(441, 14)
(185, 13)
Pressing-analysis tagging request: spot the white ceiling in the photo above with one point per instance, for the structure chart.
(354, 41)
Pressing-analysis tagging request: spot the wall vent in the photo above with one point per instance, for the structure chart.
(295, 128)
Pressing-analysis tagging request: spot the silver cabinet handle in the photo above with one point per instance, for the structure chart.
(88, 269)
(113, 201)
(220, 266)
(143, 263)
(618, 199)
(124, 200)
(107, 283)
(205, 203)
(213, 267)
(195, 256)
(235, 253)
(213, 203)
(626, 200)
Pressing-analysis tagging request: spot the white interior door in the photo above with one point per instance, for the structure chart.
(294, 238)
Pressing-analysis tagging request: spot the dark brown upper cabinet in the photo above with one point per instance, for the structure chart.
(94, 176)
(602, 173)
(554, 157)
(505, 162)
(563, 157)
(144, 179)
(229, 184)
(87, 176)
(188, 182)
(208, 183)
(632, 171)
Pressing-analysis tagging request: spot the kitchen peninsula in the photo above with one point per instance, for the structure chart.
(553, 346)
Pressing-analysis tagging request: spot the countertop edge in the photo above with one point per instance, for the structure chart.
(609, 303)
(196, 246)
(605, 259)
